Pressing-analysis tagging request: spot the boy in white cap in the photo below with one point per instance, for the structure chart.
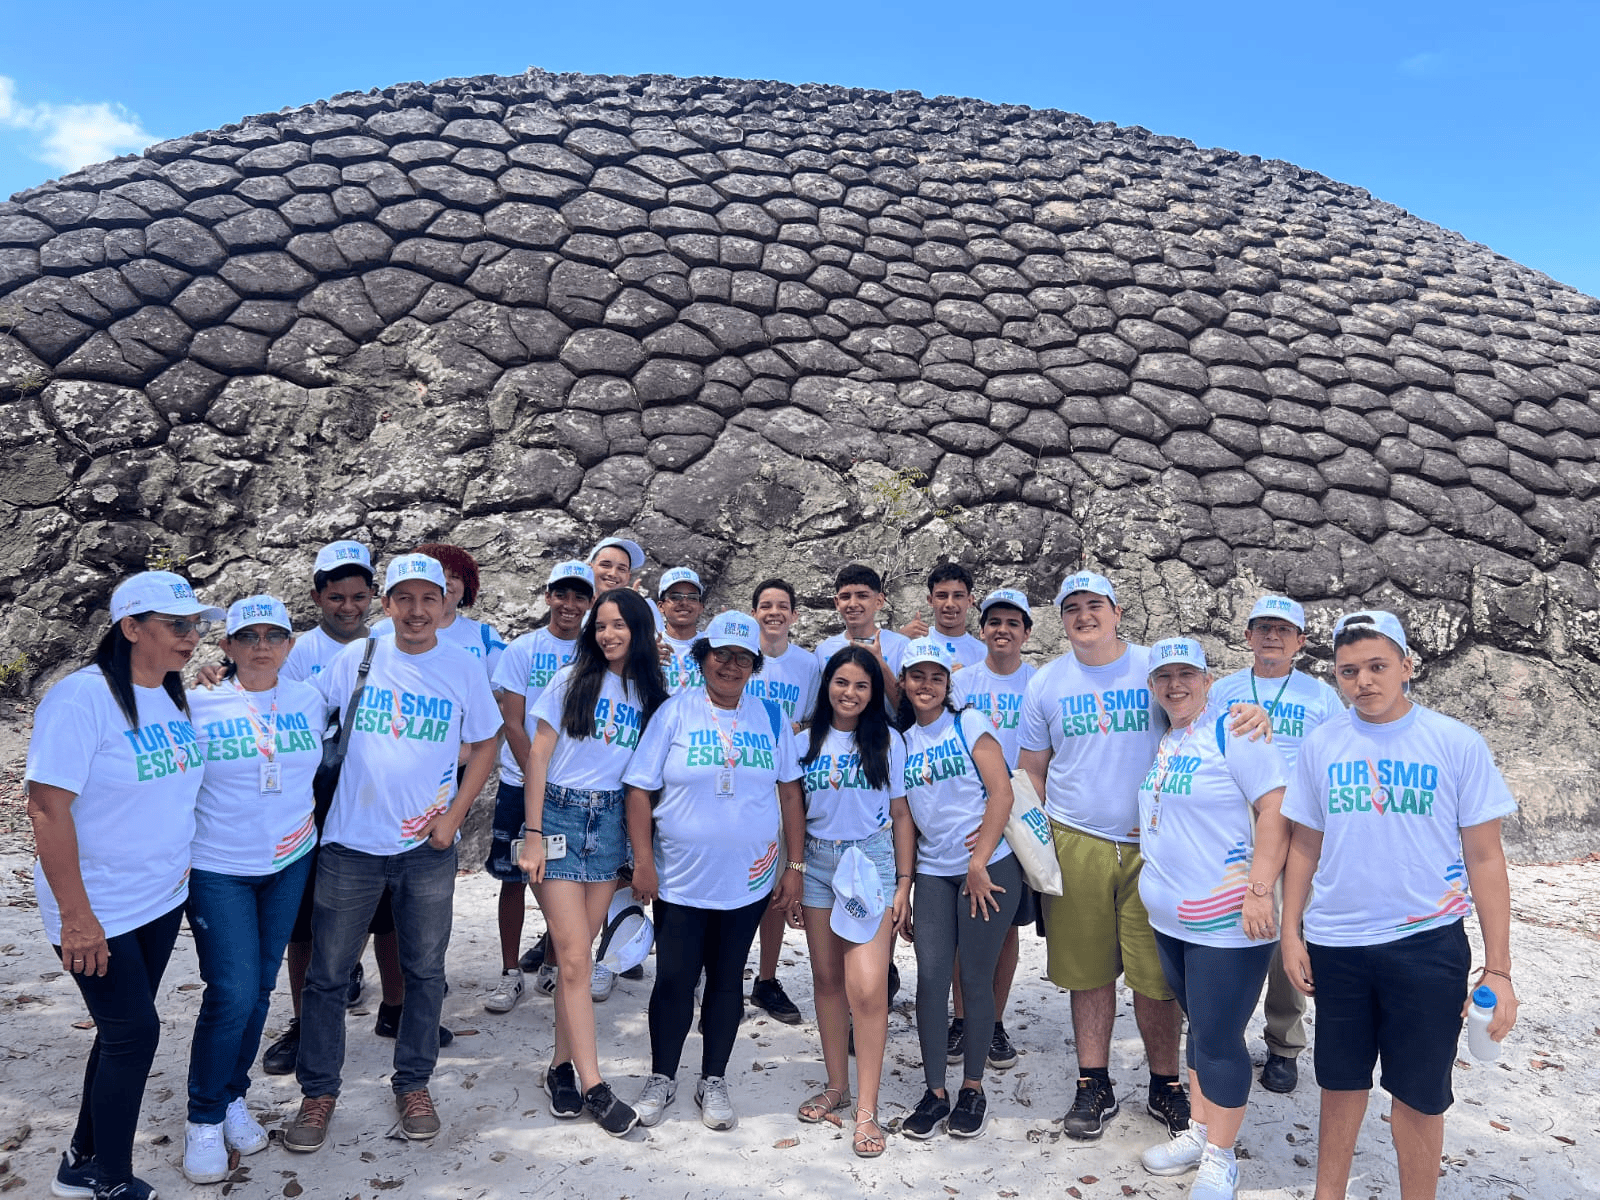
(526, 668)
(1297, 704)
(341, 588)
(950, 599)
(683, 599)
(1396, 812)
(393, 826)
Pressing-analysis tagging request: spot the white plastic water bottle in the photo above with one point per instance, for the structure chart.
(1484, 1048)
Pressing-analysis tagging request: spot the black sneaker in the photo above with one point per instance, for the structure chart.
(955, 1042)
(1279, 1074)
(1002, 1054)
(769, 994)
(967, 1117)
(533, 958)
(924, 1120)
(76, 1176)
(388, 1024)
(615, 1116)
(1095, 1103)
(561, 1084)
(281, 1055)
(128, 1189)
(636, 972)
(1169, 1104)
(894, 981)
(358, 977)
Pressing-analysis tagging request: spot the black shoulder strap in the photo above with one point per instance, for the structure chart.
(345, 721)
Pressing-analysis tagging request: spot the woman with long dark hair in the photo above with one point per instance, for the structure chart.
(113, 768)
(855, 800)
(590, 720)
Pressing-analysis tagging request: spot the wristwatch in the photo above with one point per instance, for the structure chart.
(794, 866)
(1260, 889)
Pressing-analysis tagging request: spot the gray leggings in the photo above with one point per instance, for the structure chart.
(943, 921)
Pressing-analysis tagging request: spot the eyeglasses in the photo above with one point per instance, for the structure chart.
(249, 637)
(1275, 629)
(681, 598)
(727, 654)
(184, 626)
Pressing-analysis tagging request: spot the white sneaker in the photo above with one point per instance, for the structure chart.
(1218, 1178)
(1175, 1156)
(659, 1091)
(241, 1131)
(508, 992)
(601, 983)
(716, 1106)
(205, 1158)
(545, 981)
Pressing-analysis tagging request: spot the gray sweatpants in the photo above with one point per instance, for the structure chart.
(942, 920)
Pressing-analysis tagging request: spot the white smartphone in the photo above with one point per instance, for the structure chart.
(555, 846)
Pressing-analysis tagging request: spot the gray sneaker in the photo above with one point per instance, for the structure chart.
(508, 990)
(716, 1107)
(659, 1091)
(545, 981)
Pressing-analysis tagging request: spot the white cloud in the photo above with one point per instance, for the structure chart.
(69, 136)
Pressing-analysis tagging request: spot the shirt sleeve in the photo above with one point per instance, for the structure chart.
(511, 671)
(547, 707)
(1301, 803)
(66, 737)
(1256, 767)
(788, 752)
(976, 727)
(648, 765)
(1033, 733)
(809, 686)
(897, 765)
(1481, 790)
(483, 714)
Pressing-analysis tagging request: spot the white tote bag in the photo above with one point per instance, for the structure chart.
(1028, 835)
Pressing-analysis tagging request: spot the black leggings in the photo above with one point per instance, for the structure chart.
(1218, 988)
(689, 941)
(126, 1033)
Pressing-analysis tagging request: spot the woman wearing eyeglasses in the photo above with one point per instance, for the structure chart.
(113, 768)
(251, 857)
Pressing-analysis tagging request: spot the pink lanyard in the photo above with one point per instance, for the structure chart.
(265, 745)
(1163, 773)
(729, 754)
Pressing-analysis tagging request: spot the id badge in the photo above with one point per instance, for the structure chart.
(725, 782)
(271, 778)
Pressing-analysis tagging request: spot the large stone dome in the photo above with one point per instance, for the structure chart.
(765, 328)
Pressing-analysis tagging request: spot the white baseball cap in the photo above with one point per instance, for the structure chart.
(1173, 650)
(1281, 607)
(858, 902)
(680, 575)
(158, 592)
(258, 610)
(634, 551)
(627, 937)
(927, 650)
(1383, 622)
(1012, 596)
(570, 569)
(413, 566)
(734, 628)
(344, 554)
(1086, 581)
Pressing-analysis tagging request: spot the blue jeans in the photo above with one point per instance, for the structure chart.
(241, 924)
(595, 826)
(349, 883)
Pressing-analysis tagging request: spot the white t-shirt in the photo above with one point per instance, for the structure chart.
(239, 828)
(681, 672)
(1391, 801)
(1297, 704)
(313, 650)
(528, 665)
(1102, 726)
(1197, 858)
(840, 804)
(715, 851)
(967, 649)
(790, 678)
(134, 792)
(400, 770)
(481, 641)
(891, 643)
(998, 697)
(946, 795)
(594, 763)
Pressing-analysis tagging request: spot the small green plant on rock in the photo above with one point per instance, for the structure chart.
(164, 558)
(906, 500)
(12, 673)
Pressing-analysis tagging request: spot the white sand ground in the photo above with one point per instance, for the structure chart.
(1527, 1127)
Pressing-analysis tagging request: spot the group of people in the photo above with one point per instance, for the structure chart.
(703, 787)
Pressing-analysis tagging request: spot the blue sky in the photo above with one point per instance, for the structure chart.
(1480, 117)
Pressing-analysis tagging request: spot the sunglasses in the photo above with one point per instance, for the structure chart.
(727, 654)
(249, 637)
(184, 626)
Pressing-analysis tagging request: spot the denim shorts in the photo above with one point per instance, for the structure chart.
(508, 820)
(822, 859)
(596, 832)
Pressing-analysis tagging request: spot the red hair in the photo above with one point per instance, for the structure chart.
(455, 561)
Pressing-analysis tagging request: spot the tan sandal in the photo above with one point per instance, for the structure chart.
(823, 1105)
(869, 1145)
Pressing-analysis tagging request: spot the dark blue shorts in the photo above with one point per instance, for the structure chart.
(508, 822)
(1398, 1003)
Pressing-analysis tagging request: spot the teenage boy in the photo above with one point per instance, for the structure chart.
(994, 686)
(950, 599)
(789, 675)
(524, 671)
(393, 825)
(857, 596)
(1396, 835)
(1297, 704)
(1090, 730)
(683, 599)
